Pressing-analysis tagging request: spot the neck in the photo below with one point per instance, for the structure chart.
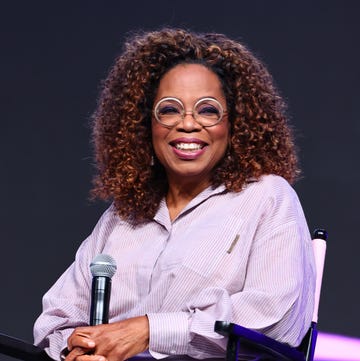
(181, 193)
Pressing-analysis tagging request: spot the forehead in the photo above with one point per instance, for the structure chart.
(189, 82)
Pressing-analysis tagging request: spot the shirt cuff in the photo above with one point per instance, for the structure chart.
(58, 344)
(169, 334)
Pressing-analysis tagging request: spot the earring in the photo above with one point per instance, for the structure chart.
(152, 162)
(228, 151)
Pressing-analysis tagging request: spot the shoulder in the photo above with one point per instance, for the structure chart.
(271, 183)
(277, 206)
(109, 218)
(271, 194)
(105, 226)
(268, 187)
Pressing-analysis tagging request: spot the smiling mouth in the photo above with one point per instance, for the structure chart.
(190, 147)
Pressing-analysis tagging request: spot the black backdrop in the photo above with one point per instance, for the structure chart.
(53, 56)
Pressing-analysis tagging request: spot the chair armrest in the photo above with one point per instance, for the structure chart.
(255, 343)
(21, 350)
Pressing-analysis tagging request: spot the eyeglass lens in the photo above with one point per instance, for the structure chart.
(206, 111)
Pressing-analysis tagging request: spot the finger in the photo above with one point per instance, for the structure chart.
(91, 358)
(79, 340)
(76, 352)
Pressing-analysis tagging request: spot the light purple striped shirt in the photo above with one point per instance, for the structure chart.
(243, 257)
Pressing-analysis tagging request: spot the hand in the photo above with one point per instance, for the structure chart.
(109, 342)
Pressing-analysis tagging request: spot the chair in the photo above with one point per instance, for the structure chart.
(256, 346)
(21, 350)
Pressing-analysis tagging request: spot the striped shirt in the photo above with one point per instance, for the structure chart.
(243, 257)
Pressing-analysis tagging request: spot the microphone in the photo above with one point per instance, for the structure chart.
(102, 268)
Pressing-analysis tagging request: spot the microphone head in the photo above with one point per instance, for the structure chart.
(103, 265)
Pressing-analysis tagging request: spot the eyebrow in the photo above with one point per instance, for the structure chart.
(196, 100)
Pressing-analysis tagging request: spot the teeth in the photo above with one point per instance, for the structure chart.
(188, 146)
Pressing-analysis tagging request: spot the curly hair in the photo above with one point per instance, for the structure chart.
(260, 142)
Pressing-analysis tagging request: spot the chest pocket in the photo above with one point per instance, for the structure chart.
(219, 250)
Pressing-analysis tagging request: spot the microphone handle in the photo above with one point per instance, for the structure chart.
(100, 300)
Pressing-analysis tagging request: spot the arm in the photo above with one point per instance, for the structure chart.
(276, 297)
(66, 305)
(277, 302)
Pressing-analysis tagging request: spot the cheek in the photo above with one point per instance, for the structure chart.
(222, 135)
(158, 135)
(155, 131)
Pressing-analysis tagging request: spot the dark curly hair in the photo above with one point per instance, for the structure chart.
(260, 138)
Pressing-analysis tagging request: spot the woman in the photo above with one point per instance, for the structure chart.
(193, 149)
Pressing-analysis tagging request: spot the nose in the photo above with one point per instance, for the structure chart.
(189, 123)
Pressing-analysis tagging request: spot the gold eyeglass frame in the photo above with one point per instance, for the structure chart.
(192, 112)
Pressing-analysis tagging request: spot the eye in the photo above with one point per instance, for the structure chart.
(208, 110)
(168, 109)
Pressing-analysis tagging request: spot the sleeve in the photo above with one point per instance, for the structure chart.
(276, 298)
(66, 304)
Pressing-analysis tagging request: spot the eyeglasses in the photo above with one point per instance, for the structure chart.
(170, 111)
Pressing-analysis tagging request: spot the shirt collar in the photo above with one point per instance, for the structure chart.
(162, 214)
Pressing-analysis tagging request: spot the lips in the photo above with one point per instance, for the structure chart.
(188, 149)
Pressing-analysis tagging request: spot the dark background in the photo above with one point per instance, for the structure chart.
(53, 57)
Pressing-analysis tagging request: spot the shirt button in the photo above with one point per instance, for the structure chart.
(173, 352)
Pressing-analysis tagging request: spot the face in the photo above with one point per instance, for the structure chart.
(188, 150)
